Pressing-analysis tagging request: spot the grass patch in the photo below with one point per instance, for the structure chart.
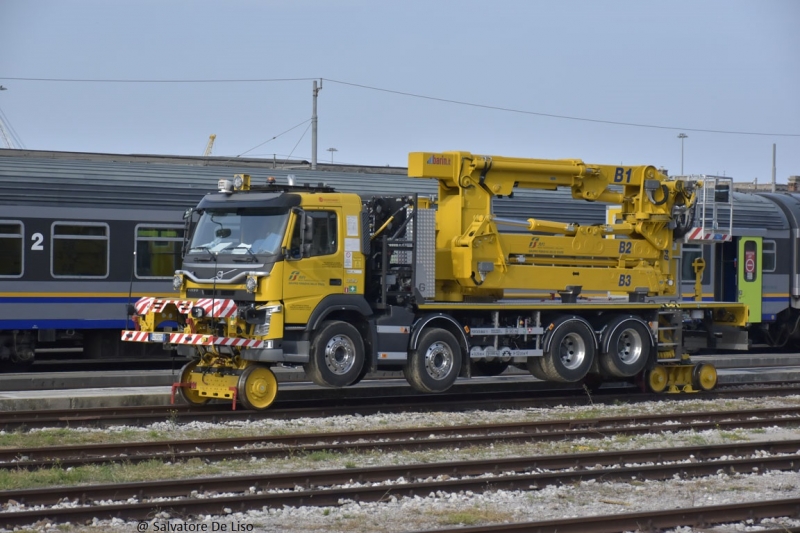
(472, 517)
(735, 435)
(323, 455)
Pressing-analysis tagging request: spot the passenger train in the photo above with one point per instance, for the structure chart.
(84, 235)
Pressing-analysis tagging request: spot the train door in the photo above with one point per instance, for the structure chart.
(749, 276)
(725, 270)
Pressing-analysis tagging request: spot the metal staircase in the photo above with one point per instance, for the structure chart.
(713, 211)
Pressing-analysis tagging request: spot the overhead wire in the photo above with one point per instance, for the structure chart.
(411, 95)
(275, 137)
(550, 115)
(11, 131)
(298, 141)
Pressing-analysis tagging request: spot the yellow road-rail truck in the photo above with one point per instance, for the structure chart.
(438, 287)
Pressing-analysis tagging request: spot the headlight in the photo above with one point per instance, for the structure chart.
(241, 182)
(177, 282)
(251, 284)
(225, 186)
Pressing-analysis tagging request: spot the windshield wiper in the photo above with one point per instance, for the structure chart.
(252, 258)
(206, 249)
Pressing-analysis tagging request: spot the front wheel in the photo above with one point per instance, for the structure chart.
(190, 396)
(436, 363)
(337, 355)
(257, 387)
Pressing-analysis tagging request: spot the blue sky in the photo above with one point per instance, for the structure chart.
(674, 66)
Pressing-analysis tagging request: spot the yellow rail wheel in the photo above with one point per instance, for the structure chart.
(657, 379)
(257, 387)
(704, 377)
(190, 396)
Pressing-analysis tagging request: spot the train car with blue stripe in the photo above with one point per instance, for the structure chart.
(757, 264)
(67, 273)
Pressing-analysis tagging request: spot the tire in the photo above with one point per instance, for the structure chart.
(571, 352)
(489, 368)
(337, 355)
(436, 363)
(190, 396)
(257, 387)
(536, 369)
(628, 348)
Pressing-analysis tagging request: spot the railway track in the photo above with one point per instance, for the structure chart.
(314, 408)
(222, 495)
(386, 440)
(651, 521)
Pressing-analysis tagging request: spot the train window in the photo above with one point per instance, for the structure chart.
(768, 256)
(11, 238)
(690, 253)
(158, 251)
(79, 250)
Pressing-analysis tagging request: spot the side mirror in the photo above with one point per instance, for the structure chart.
(188, 214)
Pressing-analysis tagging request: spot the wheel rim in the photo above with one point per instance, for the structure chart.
(657, 379)
(190, 395)
(439, 360)
(340, 354)
(706, 376)
(630, 346)
(572, 351)
(260, 387)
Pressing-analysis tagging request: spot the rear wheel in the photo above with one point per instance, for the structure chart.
(536, 369)
(257, 387)
(436, 363)
(628, 348)
(337, 355)
(704, 377)
(190, 396)
(571, 353)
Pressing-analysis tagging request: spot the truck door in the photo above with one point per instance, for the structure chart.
(749, 275)
(314, 268)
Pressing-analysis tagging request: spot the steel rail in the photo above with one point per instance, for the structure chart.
(375, 485)
(651, 520)
(388, 439)
(587, 460)
(143, 415)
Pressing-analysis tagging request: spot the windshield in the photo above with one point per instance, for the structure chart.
(242, 231)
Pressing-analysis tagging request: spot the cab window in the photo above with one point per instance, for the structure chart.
(321, 239)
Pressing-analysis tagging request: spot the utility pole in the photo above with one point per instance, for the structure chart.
(682, 136)
(773, 167)
(331, 150)
(314, 126)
